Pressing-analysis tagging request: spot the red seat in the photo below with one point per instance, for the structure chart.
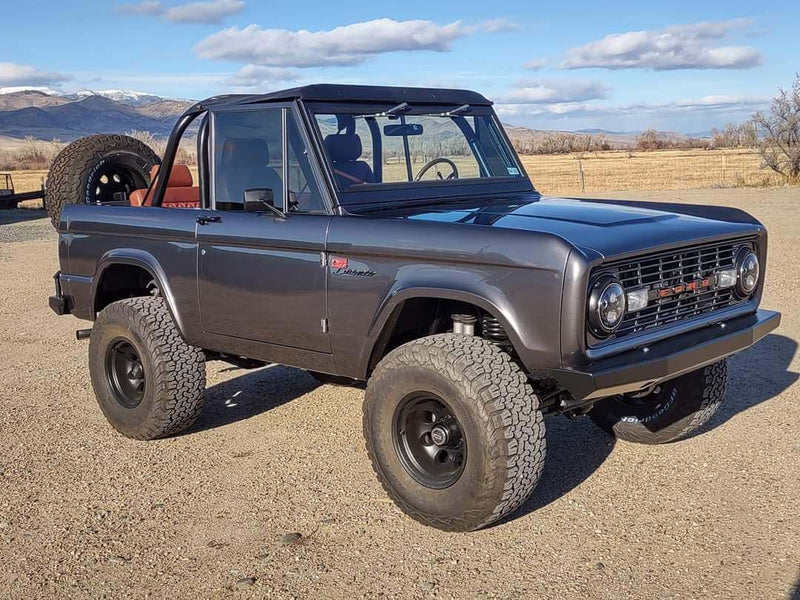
(180, 192)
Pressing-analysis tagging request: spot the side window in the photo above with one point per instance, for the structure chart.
(304, 195)
(247, 156)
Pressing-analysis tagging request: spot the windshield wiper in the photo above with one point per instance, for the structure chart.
(456, 111)
(400, 109)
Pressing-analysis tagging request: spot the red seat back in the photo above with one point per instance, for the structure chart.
(180, 192)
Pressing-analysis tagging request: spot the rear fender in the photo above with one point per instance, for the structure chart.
(145, 260)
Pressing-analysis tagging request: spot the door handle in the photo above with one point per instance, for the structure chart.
(204, 219)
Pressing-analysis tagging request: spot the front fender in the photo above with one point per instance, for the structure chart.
(527, 302)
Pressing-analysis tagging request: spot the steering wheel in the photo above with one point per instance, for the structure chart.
(428, 166)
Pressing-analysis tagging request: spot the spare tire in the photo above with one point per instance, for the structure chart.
(93, 169)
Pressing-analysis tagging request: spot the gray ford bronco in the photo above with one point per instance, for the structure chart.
(391, 235)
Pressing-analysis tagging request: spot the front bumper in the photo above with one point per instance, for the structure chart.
(641, 368)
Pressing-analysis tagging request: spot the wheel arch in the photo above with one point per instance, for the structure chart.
(119, 260)
(386, 320)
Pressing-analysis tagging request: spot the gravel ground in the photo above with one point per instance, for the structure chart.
(85, 512)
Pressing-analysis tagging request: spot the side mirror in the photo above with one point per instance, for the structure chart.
(256, 200)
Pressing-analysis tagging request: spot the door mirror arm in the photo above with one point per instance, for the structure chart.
(256, 199)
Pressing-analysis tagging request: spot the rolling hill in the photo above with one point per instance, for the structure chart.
(46, 114)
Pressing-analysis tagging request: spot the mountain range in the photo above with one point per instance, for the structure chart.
(47, 114)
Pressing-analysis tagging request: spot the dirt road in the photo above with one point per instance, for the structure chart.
(85, 512)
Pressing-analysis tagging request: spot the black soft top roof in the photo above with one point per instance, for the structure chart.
(324, 92)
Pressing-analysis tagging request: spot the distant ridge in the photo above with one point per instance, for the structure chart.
(43, 115)
(46, 114)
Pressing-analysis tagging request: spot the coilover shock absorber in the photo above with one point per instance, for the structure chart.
(491, 329)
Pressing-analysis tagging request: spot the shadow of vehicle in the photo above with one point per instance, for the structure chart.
(757, 375)
(251, 394)
(19, 215)
(576, 449)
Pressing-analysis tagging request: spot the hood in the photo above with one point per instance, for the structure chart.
(608, 227)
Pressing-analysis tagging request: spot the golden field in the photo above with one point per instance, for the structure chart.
(609, 171)
(653, 170)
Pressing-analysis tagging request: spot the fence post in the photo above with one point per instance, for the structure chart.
(581, 176)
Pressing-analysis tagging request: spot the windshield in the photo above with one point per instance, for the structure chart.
(366, 149)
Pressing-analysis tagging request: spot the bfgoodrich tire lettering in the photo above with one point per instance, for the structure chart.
(677, 409)
(173, 371)
(499, 417)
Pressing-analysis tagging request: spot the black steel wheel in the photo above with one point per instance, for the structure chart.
(125, 373)
(454, 431)
(112, 177)
(148, 381)
(429, 440)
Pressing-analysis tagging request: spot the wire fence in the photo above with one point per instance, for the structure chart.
(657, 170)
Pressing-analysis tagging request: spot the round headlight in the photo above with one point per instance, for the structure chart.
(606, 305)
(748, 271)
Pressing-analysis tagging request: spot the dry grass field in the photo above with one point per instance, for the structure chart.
(655, 170)
(602, 171)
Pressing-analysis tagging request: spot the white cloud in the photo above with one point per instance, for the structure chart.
(146, 7)
(12, 74)
(256, 75)
(343, 46)
(498, 25)
(204, 12)
(676, 47)
(707, 105)
(552, 91)
(213, 11)
(535, 64)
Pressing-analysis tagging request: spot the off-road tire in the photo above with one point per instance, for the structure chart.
(175, 376)
(679, 408)
(498, 412)
(68, 181)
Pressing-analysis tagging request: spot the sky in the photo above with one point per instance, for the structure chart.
(620, 66)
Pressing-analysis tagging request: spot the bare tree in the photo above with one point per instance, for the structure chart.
(779, 132)
(735, 135)
(648, 140)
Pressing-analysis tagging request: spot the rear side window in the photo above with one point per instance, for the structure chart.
(247, 155)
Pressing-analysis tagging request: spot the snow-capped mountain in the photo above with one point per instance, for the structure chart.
(29, 88)
(46, 113)
(129, 97)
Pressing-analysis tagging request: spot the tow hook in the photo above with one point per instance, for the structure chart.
(83, 334)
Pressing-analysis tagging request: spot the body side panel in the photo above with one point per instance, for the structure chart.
(514, 275)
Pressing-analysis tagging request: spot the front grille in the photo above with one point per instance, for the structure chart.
(673, 268)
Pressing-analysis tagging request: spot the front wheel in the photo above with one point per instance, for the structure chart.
(673, 410)
(454, 431)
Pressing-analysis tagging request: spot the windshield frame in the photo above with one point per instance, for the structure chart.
(401, 192)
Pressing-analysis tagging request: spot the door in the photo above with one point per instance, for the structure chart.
(261, 276)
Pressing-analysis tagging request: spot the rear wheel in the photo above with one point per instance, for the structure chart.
(95, 168)
(148, 381)
(454, 431)
(673, 410)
